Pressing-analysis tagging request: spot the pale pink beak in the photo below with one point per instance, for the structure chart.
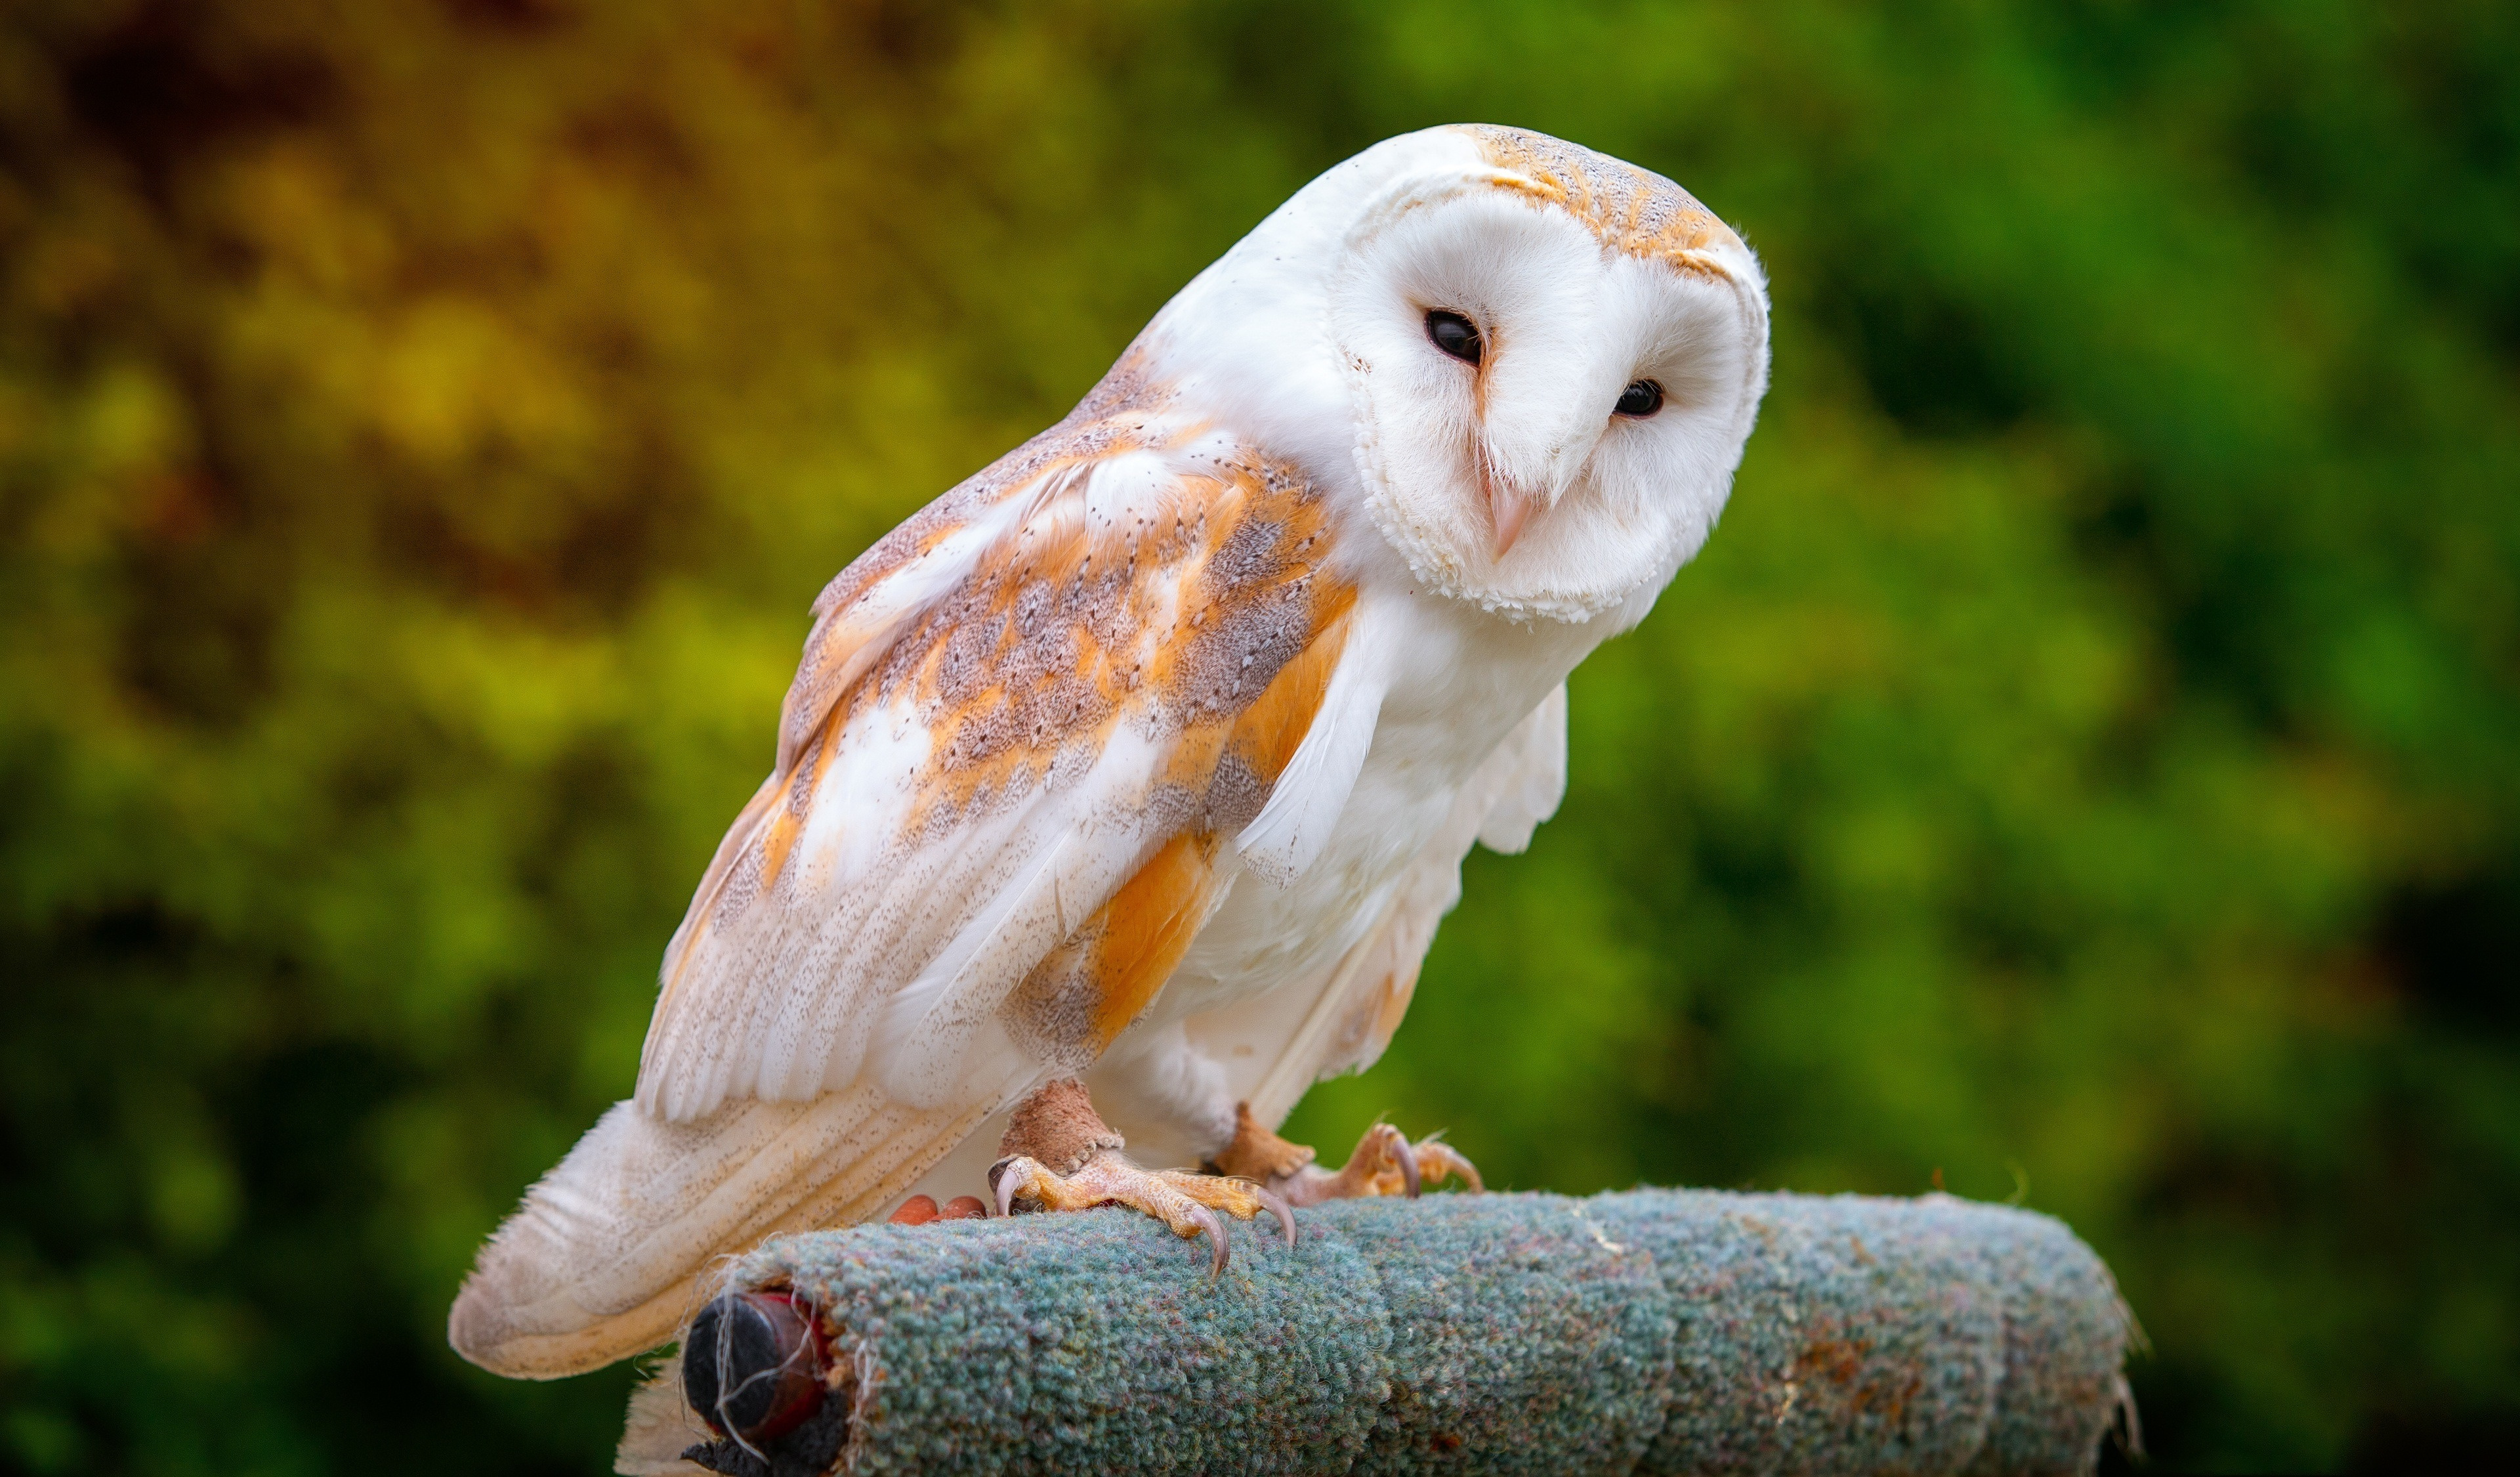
(1510, 507)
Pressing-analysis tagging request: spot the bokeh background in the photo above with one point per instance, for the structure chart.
(2080, 770)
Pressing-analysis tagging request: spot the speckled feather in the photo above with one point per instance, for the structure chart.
(1116, 639)
(1631, 210)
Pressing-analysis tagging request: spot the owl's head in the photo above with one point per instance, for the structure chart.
(1553, 359)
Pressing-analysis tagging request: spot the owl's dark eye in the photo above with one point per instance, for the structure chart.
(1455, 335)
(1641, 399)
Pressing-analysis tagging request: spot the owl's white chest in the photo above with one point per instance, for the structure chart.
(1459, 682)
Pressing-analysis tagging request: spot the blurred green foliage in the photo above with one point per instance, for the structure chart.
(2081, 767)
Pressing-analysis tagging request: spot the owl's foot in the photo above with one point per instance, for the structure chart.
(1186, 1202)
(1060, 1156)
(1385, 1163)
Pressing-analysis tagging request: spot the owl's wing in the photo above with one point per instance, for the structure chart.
(1021, 736)
(1277, 1046)
(1034, 731)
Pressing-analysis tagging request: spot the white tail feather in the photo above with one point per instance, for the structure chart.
(606, 1256)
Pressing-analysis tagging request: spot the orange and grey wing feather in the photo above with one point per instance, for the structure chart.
(1023, 727)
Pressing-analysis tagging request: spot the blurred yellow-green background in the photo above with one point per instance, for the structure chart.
(2085, 766)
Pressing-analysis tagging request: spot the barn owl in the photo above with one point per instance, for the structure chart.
(1120, 790)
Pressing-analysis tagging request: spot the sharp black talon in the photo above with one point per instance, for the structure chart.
(1278, 1207)
(1215, 1235)
(1003, 1198)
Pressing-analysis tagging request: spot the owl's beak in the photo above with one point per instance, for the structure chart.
(1508, 507)
(1520, 480)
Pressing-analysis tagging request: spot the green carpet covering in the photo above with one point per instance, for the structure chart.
(1650, 1331)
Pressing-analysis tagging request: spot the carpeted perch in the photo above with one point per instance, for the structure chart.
(1657, 1331)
